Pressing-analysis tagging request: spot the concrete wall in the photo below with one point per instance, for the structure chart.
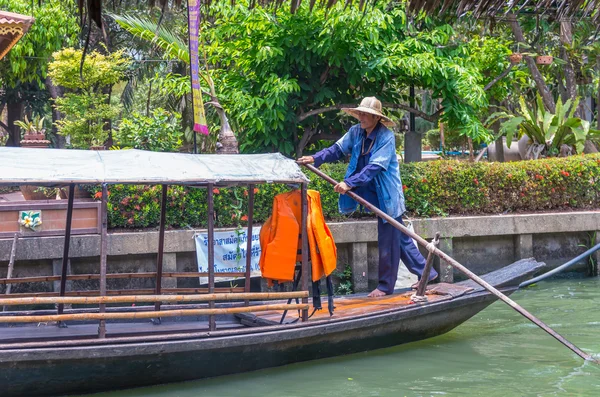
(482, 243)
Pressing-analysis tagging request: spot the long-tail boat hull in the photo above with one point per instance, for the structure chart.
(38, 366)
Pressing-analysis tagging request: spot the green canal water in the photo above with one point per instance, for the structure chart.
(496, 353)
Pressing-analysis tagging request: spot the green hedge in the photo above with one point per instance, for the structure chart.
(431, 189)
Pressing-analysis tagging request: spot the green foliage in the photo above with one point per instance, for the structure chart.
(457, 188)
(55, 26)
(159, 133)
(546, 129)
(451, 141)
(436, 188)
(170, 43)
(86, 108)
(85, 118)
(490, 56)
(98, 70)
(278, 66)
(345, 285)
(35, 126)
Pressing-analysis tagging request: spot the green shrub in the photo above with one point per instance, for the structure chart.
(435, 188)
(159, 133)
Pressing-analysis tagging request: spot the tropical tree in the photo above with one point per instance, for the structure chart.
(173, 46)
(23, 71)
(280, 75)
(85, 106)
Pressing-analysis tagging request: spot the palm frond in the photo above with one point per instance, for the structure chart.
(172, 46)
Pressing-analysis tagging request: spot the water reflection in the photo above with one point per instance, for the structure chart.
(497, 353)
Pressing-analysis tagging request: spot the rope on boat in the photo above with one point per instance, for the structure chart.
(418, 298)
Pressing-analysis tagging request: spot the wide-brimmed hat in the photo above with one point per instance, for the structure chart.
(372, 106)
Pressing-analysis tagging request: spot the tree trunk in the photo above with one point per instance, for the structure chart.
(499, 142)
(14, 113)
(308, 133)
(535, 72)
(598, 94)
(566, 40)
(55, 92)
(471, 149)
(228, 142)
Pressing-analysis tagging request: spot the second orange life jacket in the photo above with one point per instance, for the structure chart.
(280, 241)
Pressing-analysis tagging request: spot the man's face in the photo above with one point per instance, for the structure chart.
(367, 121)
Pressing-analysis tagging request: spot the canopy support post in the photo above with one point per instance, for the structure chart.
(103, 254)
(161, 246)
(303, 231)
(63, 275)
(212, 324)
(249, 240)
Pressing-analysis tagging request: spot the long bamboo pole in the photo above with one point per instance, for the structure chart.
(460, 267)
(125, 292)
(96, 276)
(95, 300)
(153, 314)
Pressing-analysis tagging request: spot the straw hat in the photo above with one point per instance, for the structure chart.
(372, 106)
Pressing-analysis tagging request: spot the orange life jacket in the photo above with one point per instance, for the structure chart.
(280, 242)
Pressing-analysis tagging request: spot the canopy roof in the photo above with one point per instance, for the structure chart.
(19, 166)
(12, 27)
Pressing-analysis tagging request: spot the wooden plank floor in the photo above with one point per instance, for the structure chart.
(360, 305)
(345, 307)
(27, 333)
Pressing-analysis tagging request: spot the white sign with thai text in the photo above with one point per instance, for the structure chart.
(230, 251)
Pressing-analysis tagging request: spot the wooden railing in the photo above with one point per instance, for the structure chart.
(95, 300)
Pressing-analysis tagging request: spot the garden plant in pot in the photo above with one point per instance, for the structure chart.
(33, 132)
(34, 136)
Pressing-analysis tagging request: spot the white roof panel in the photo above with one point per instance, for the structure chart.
(63, 166)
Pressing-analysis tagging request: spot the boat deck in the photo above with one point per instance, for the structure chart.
(345, 307)
(50, 331)
(354, 306)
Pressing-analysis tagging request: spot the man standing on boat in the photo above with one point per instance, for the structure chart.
(373, 174)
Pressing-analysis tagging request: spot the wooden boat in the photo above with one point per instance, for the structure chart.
(87, 349)
(74, 360)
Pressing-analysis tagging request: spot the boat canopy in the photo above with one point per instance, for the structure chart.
(20, 166)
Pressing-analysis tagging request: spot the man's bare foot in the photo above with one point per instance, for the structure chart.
(376, 293)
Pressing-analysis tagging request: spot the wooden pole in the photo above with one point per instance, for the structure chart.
(63, 275)
(11, 265)
(249, 240)
(124, 292)
(95, 300)
(161, 245)
(425, 276)
(212, 324)
(303, 231)
(460, 267)
(154, 314)
(17, 280)
(103, 255)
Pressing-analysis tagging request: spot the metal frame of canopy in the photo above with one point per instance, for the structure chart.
(245, 178)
